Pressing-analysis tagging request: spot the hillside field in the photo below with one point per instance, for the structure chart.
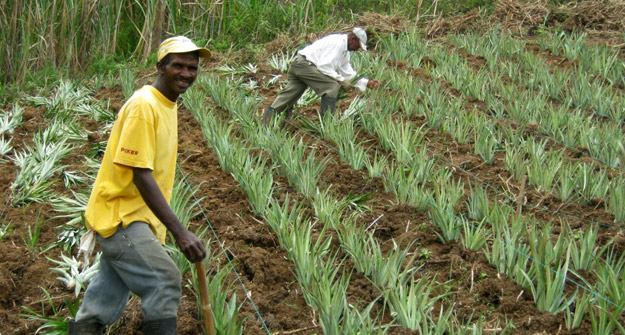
(480, 190)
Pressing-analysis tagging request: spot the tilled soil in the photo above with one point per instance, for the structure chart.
(263, 277)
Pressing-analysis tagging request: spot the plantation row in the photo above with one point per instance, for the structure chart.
(570, 181)
(308, 176)
(397, 140)
(541, 175)
(518, 249)
(314, 260)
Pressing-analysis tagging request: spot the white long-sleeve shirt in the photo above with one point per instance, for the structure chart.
(332, 58)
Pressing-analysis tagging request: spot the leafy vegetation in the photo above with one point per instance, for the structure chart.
(513, 113)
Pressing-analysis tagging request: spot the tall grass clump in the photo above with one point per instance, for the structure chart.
(41, 34)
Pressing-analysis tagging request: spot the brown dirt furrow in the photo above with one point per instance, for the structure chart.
(477, 287)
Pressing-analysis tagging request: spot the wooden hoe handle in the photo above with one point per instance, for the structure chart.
(206, 305)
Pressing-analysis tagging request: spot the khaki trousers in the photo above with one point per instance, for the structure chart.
(303, 74)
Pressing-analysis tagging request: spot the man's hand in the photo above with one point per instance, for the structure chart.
(373, 84)
(346, 85)
(191, 246)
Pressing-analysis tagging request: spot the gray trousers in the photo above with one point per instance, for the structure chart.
(132, 260)
(301, 75)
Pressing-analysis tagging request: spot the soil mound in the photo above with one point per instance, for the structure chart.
(596, 18)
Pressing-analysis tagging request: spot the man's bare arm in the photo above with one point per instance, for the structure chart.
(189, 244)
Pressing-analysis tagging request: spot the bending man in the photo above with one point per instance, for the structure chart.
(324, 66)
(129, 205)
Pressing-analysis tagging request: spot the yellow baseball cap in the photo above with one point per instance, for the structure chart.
(180, 44)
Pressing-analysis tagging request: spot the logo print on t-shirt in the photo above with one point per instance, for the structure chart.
(128, 151)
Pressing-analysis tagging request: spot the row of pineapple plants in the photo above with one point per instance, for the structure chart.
(510, 252)
(616, 303)
(323, 282)
(577, 86)
(42, 165)
(404, 135)
(560, 304)
(231, 99)
(599, 59)
(386, 102)
(569, 181)
(567, 121)
(360, 245)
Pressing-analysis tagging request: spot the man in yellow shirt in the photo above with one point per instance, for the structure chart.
(129, 204)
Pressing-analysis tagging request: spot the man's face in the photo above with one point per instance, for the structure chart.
(353, 43)
(178, 74)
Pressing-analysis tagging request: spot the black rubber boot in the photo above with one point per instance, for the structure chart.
(268, 115)
(84, 328)
(327, 103)
(160, 327)
(288, 112)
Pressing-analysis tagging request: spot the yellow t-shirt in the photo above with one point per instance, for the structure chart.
(145, 135)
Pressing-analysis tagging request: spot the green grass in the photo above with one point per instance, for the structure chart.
(39, 35)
